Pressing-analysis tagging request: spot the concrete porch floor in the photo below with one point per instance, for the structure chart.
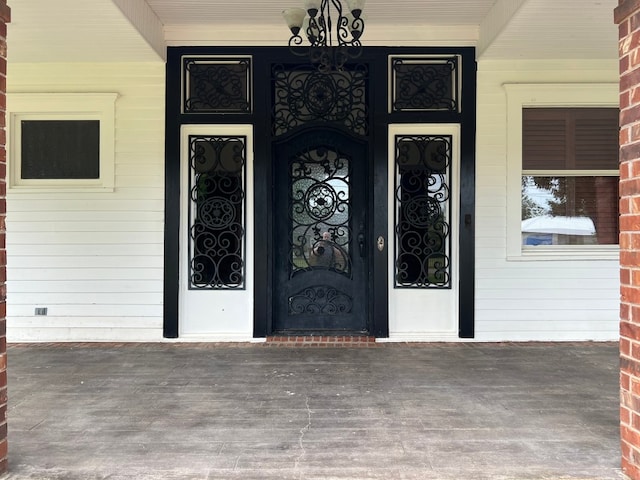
(428, 411)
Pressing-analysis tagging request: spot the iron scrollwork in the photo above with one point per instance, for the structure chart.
(304, 95)
(320, 213)
(217, 85)
(423, 213)
(326, 51)
(216, 213)
(322, 299)
(423, 84)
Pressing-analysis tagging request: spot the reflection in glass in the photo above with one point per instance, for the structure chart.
(569, 210)
(320, 211)
(216, 214)
(423, 214)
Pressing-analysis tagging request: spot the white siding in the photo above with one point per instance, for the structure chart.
(95, 260)
(574, 299)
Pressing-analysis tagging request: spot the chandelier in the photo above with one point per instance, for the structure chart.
(328, 49)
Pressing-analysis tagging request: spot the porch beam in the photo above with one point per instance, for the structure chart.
(496, 22)
(377, 35)
(146, 22)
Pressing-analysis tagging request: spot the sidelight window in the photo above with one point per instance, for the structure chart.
(423, 213)
(217, 211)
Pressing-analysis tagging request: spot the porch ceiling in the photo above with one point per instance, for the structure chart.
(139, 30)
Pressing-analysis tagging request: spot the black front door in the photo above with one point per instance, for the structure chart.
(320, 227)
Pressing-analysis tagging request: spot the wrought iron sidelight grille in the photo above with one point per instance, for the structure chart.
(216, 214)
(423, 212)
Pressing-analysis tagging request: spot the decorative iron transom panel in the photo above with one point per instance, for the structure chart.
(216, 85)
(424, 84)
(304, 96)
(322, 299)
(423, 211)
(319, 211)
(216, 212)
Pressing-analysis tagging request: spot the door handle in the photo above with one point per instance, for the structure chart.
(361, 243)
(380, 243)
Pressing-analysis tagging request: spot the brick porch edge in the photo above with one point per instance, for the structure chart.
(321, 341)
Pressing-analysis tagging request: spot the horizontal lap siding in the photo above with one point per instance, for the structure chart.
(95, 260)
(532, 300)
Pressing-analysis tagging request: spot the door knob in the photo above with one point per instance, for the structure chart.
(380, 243)
(361, 243)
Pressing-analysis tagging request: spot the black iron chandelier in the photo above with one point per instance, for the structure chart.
(328, 49)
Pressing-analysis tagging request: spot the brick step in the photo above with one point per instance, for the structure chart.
(321, 341)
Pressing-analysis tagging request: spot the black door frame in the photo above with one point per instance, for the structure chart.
(380, 118)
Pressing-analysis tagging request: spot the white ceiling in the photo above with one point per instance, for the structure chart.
(139, 30)
(439, 12)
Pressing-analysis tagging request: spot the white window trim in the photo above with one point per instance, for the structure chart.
(61, 106)
(521, 96)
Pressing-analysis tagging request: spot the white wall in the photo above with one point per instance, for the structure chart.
(94, 259)
(529, 299)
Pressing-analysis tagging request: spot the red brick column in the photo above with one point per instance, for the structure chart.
(627, 16)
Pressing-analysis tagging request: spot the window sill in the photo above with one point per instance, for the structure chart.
(52, 188)
(567, 253)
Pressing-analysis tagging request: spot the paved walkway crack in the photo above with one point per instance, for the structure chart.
(303, 431)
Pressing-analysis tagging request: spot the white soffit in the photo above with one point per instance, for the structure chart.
(260, 22)
(269, 12)
(99, 31)
(74, 31)
(557, 29)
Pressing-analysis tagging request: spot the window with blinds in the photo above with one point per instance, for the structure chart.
(570, 176)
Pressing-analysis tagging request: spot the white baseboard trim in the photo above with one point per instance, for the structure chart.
(70, 334)
(421, 337)
(216, 338)
(118, 335)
